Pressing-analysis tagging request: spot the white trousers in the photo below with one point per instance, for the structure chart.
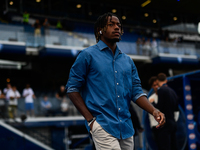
(105, 141)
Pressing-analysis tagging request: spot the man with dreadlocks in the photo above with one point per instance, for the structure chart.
(102, 82)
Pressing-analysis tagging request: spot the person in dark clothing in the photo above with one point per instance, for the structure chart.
(136, 123)
(63, 101)
(61, 93)
(168, 104)
(3, 108)
(135, 120)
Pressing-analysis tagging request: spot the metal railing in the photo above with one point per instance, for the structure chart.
(64, 38)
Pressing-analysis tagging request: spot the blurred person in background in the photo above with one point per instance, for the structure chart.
(2, 105)
(135, 120)
(61, 93)
(5, 92)
(25, 17)
(13, 95)
(167, 102)
(37, 26)
(46, 25)
(143, 40)
(136, 124)
(46, 106)
(7, 88)
(147, 47)
(102, 82)
(154, 46)
(62, 96)
(59, 25)
(139, 46)
(153, 82)
(64, 107)
(28, 94)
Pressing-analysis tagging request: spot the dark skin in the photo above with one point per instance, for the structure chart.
(110, 37)
(112, 34)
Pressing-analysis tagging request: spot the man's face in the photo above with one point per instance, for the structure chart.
(160, 83)
(14, 88)
(8, 85)
(113, 31)
(62, 88)
(155, 85)
(45, 98)
(27, 86)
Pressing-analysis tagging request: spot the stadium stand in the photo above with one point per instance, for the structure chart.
(83, 37)
(45, 62)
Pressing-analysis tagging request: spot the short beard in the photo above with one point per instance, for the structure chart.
(114, 40)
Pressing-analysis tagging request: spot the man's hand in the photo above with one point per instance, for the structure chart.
(159, 117)
(146, 105)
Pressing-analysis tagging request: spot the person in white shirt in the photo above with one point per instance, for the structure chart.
(13, 96)
(6, 90)
(153, 82)
(64, 107)
(154, 46)
(147, 47)
(28, 94)
(3, 108)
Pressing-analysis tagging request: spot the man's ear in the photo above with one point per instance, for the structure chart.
(99, 29)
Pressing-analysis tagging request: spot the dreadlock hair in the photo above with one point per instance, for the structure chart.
(101, 24)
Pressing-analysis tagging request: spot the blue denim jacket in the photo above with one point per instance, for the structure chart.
(107, 82)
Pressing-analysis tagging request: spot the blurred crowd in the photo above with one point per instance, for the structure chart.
(38, 24)
(10, 97)
(146, 47)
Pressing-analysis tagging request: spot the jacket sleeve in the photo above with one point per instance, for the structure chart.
(137, 91)
(78, 72)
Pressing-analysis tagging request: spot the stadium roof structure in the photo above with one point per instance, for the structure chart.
(181, 6)
(156, 13)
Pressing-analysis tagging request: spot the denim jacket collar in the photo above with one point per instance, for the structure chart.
(102, 46)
